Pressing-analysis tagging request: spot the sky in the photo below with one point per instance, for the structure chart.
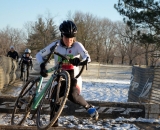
(15, 13)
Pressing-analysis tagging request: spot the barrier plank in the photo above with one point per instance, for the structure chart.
(105, 109)
(11, 127)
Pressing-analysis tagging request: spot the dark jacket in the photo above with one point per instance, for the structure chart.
(13, 55)
(26, 60)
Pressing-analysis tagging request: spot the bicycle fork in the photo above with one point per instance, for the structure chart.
(40, 93)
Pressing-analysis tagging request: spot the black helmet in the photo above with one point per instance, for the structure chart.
(68, 29)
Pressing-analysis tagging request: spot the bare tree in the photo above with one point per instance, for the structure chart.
(86, 24)
(93, 34)
(127, 42)
(10, 36)
(121, 45)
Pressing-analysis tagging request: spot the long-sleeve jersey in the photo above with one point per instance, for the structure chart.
(76, 50)
(13, 55)
(26, 60)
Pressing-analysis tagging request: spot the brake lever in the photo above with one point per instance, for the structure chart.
(86, 66)
(86, 62)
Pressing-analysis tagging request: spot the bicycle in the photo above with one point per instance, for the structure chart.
(35, 98)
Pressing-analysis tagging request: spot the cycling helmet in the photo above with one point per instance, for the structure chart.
(11, 47)
(27, 51)
(68, 29)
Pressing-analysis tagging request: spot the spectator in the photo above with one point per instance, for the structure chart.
(13, 54)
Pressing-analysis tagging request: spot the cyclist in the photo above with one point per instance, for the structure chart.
(69, 47)
(12, 53)
(26, 59)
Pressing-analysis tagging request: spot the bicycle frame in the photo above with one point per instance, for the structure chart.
(40, 93)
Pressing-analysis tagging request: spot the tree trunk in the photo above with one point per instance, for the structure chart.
(146, 58)
(122, 60)
(130, 62)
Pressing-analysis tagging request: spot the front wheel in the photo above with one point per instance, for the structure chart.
(23, 103)
(48, 115)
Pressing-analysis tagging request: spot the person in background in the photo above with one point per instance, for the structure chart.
(75, 50)
(26, 59)
(13, 54)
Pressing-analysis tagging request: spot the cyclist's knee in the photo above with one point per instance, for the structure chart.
(73, 82)
(74, 95)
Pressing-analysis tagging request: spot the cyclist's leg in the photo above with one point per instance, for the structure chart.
(75, 97)
(74, 94)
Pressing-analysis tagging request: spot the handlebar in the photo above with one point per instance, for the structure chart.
(83, 63)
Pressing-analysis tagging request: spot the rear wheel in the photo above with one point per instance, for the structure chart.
(44, 117)
(23, 103)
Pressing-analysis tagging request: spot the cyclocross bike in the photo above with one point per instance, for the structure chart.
(35, 98)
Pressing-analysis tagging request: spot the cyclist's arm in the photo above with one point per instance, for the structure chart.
(83, 52)
(44, 52)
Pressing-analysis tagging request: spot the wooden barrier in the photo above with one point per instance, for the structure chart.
(11, 127)
(105, 109)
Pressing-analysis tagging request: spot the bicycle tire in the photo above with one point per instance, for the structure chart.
(23, 102)
(40, 112)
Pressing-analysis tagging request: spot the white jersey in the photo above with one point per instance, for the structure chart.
(76, 50)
